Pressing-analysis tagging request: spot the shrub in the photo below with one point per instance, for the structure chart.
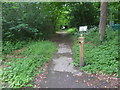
(71, 30)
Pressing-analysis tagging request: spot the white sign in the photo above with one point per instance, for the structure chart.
(83, 28)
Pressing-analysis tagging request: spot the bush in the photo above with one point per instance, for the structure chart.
(71, 30)
(34, 22)
(99, 58)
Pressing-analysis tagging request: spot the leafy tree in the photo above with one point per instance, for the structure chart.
(23, 21)
(113, 12)
(84, 14)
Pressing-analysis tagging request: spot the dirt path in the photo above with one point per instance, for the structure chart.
(61, 72)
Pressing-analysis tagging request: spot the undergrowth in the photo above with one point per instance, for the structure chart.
(20, 72)
(99, 58)
(9, 47)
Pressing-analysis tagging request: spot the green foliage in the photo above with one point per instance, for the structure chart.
(24, 32)
(76, 54)
(84, 13)
(113, 12)
(99, 58)
(23, 21)
(8, 46)
(71, 30)
(64, 17)
(19, 72)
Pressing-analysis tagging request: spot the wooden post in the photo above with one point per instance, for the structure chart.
(81, 41)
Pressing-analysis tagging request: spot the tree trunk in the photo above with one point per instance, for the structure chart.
(103, 20)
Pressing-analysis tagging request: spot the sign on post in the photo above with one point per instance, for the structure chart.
(83, 28)
(81, 42)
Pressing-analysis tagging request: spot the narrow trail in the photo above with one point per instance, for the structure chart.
(61, 71)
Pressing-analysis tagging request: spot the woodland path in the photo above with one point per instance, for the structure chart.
(61, 71)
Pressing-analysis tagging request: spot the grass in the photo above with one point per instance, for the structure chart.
(20, 72)
(99, 58)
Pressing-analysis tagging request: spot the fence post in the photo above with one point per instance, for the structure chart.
(81, 42)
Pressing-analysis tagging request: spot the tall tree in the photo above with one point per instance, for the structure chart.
(103, 20)
(84, 13)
